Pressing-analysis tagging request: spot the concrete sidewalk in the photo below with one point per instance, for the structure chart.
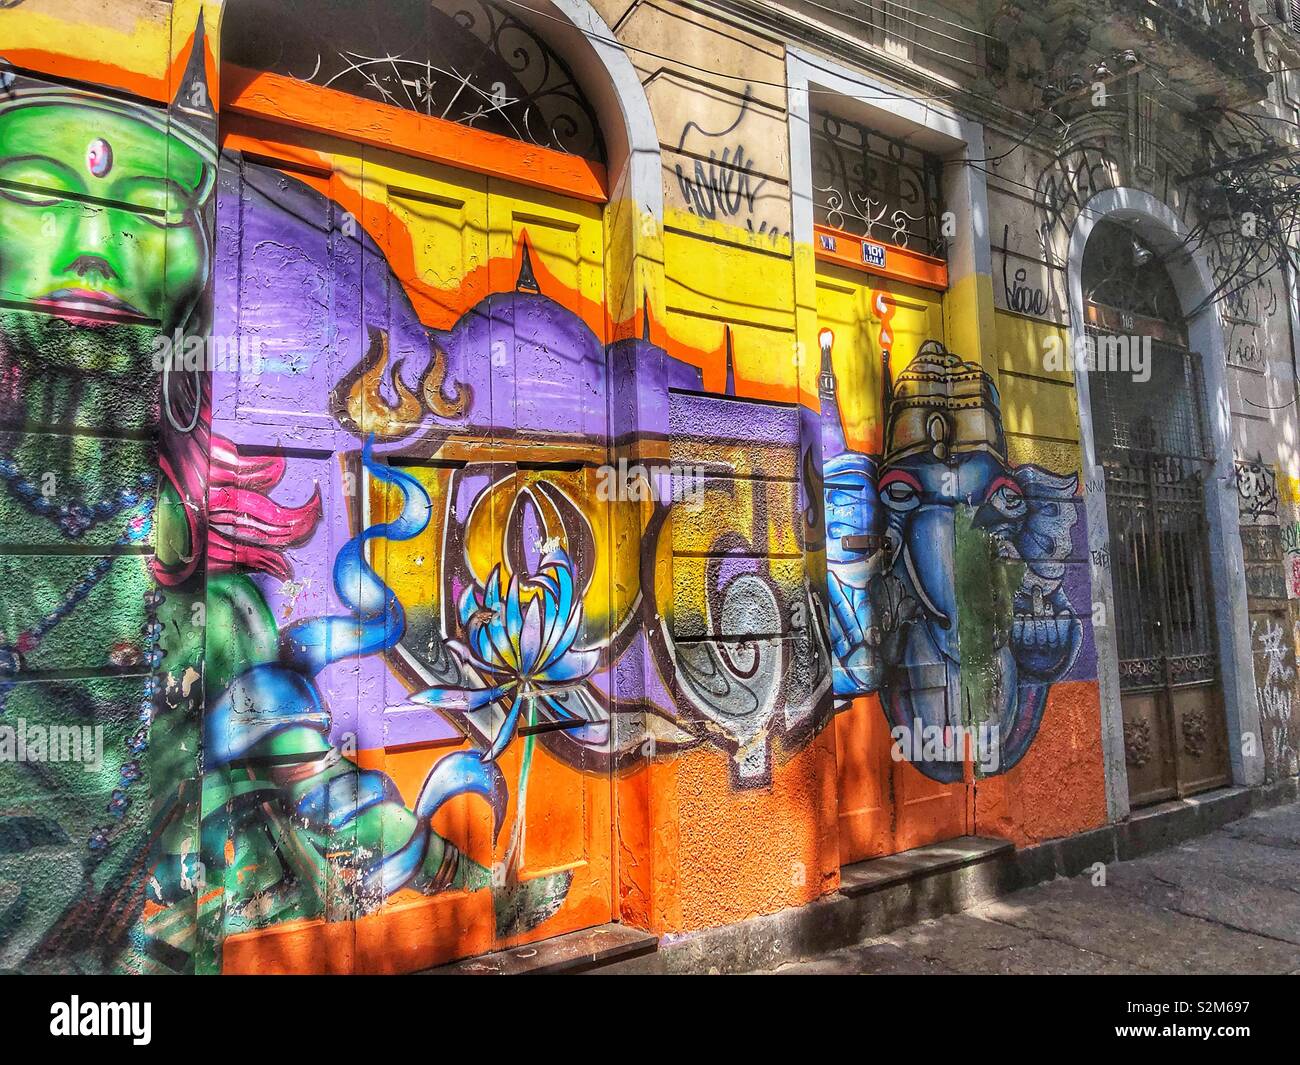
(1227, 902)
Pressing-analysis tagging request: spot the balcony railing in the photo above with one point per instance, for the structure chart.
(1222, 23)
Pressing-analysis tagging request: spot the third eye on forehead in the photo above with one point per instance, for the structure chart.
(102, 148)
(99, 157)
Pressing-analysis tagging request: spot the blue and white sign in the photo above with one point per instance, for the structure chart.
(873, 254)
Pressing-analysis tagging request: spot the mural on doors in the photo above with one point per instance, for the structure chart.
(362, 546)
(408, 655)
(946, 562)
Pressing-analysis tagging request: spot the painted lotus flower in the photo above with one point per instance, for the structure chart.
(519, 634)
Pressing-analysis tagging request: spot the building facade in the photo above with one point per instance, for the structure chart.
(480, 469)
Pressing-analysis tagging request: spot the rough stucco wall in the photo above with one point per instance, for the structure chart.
(1059, 788)
(1261, 342)
(1026, 805)
(757, 836)
(758, 851)
(1259, 326)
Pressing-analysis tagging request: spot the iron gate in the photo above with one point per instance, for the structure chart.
(1152, 445)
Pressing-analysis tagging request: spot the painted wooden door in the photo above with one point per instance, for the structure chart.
(550, 413)
(885, 803)
(277, 906)
(511, 280)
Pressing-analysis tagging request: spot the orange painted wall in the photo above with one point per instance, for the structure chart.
(1059, 787)
(745, 853)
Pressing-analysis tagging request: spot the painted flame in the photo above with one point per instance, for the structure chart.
(366, 406)
(431, 389)
(369, 412)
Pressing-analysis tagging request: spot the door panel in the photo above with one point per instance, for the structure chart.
(431, 224)
(276, 373)
(550, 867)
(1152, 445)
(543, 244)
(261, 378)
(458, 919)
(885, 804)
(865, 782)
(550, 421)
(1200, 738)
(859, 310)
(1148, 750)
(514, 482)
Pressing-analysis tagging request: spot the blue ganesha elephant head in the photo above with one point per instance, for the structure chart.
(945, 572)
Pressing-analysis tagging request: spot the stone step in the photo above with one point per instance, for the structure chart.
(876, 874)
(571, 953)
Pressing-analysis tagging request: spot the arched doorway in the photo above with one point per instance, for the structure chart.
(412, 274)
(1152, 440)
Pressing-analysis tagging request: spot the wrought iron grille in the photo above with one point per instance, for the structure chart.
(1160, 420)
(1123, 272)
(876, 186)
(475, 62)
(1152, 445)
(1160, 576)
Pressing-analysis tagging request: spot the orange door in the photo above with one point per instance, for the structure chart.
(547, 869)
(885, 804)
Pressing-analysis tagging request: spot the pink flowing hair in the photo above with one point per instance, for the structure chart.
(243, 527)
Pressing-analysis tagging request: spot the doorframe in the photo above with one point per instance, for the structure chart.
(1160, 227)
(926, 125)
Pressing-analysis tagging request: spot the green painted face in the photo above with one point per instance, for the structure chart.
(99, 234)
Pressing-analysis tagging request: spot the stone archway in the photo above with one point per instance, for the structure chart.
(1164, 233)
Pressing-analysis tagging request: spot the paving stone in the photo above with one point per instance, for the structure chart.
(1277, 828)
(973, 943)
(1249, 859)
(868, 959)
(1197, 882)
(1120, 924)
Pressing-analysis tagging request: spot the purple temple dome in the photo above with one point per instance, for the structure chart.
(534, 366)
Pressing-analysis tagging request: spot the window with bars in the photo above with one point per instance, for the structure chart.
(876, 186)
(1159, 418)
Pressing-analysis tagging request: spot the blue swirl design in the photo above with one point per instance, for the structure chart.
(274, 697)
(378, 620)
